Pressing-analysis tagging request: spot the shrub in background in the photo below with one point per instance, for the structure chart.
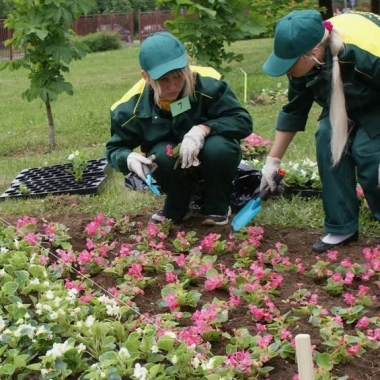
(101, 41)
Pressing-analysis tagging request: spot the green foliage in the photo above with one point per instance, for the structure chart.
(207, 27)
(44, 29)
(101, 41)
(272, 11)
(107, 6)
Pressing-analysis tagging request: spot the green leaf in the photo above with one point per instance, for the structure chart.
(323, 361)
(9, 287)
(7, 369)
(23, 275)
(165, 343)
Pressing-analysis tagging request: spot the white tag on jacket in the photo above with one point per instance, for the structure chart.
(180, 106)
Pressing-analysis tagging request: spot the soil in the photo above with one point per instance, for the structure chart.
(299, 242)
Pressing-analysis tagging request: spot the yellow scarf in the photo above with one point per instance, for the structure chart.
(165, 104)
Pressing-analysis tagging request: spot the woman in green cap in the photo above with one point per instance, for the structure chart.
(335, 63)
(175, 103)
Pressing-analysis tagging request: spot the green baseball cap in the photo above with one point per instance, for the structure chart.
(295, 34)
(160, 53)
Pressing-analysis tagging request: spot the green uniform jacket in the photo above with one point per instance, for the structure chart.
(360, 72)
(136, 121)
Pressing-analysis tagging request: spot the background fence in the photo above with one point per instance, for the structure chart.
(123, 23)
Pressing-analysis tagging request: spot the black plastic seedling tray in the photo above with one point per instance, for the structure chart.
(54, 180)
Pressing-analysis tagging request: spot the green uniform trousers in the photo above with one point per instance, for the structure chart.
(219, 158)
(359, 164)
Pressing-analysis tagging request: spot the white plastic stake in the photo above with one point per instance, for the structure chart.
(304, 357)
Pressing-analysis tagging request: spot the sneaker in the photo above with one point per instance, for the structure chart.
(217, 220)
(157, 218)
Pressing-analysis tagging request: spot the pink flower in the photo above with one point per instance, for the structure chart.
(135, 271)
(169, 150)
(353, 350)
(42, 260)
(25, 221)
(171, 301)
(349, 299)
(84, 257)
(363, 322)
(213, 282)
(31, 238)
(171, 277)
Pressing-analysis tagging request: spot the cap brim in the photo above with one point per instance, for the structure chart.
(275, 67)
(175, 64)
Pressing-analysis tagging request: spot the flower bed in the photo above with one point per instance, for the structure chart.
(136, 302)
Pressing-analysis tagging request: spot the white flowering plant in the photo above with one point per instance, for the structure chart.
(302, 174)
(78, 165)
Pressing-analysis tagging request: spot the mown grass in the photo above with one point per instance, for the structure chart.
(82, 123)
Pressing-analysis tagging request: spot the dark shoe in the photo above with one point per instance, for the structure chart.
(321, 247)
(217, 220)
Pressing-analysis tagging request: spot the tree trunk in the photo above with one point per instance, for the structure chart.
(329, 10)
(51, 132)
(375, 6)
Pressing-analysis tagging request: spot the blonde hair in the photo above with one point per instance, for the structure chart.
(338, 113)
(188, 88)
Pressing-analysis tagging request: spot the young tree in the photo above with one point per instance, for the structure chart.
(43, 27)
(208, 27)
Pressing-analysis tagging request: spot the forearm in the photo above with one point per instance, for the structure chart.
(281, 143)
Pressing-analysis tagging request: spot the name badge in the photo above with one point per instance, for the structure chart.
(180, 106)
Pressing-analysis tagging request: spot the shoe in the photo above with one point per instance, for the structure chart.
(217, 220)
(157, 218)
(321, 247)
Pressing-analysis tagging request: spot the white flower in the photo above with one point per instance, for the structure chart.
(113, 310)
(154, 348)
(4, 250)
(27, 330)
(174, 359)
(35, 281)
(89, 321)
(57, 301)
(81, 348)
(49, 295)
(124, 353)
(170, 334)
(140, 372)
(58, 350)
(209, 364)
(48, 308)
(195, 362)
(54, 315)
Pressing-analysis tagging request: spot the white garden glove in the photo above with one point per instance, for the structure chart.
(191, 144)
(135, 162)
(269, 171)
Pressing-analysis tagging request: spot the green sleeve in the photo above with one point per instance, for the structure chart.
(294, 114)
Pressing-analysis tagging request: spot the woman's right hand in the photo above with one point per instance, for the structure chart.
(269, 172)
(135, 162)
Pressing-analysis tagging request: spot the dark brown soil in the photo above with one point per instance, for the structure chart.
(298, 241)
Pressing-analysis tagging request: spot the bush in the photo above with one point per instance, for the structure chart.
(101, 41)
